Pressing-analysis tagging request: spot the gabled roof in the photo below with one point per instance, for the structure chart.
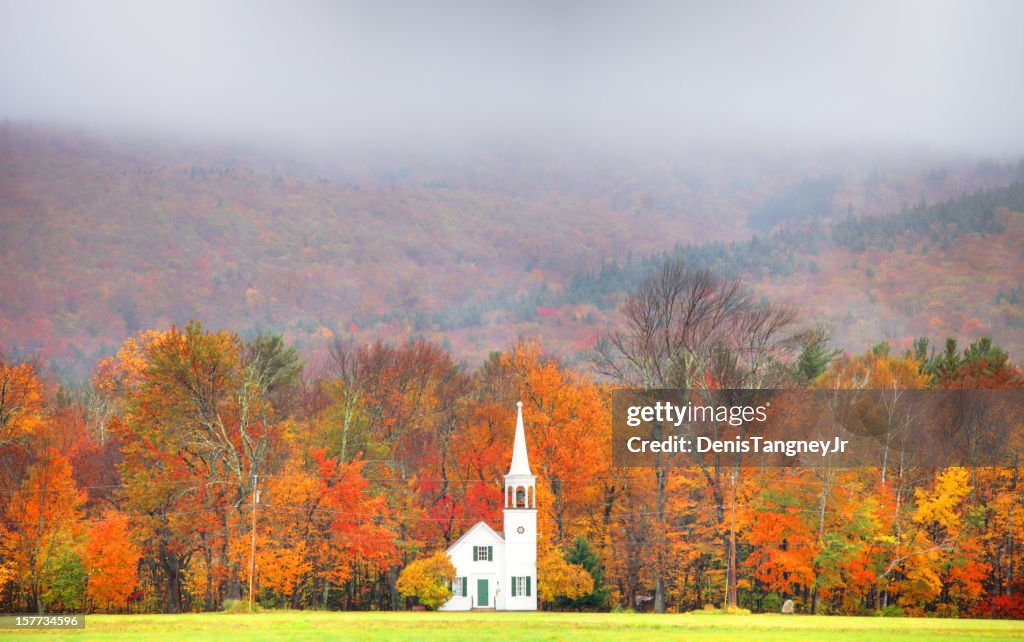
(520, 462)
(473, 529)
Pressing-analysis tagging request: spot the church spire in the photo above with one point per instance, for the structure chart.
(520, 462)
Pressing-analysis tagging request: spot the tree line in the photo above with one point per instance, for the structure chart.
(139, 491)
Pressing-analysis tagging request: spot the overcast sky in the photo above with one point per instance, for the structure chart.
(938, 73)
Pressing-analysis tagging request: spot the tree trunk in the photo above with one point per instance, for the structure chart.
(659, 567)
(395, 597)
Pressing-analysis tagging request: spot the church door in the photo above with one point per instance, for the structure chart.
(481, 592)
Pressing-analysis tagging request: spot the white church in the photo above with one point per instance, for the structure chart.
(495, 570)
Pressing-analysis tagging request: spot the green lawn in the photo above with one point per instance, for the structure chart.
(297, 625)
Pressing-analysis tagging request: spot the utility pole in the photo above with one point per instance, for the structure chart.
(252, 552)
(731, 597)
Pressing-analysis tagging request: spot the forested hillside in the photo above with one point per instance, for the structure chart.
(102, 238)
(954, 267)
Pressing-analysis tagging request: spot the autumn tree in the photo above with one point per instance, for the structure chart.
(21, 400)
(408, 400)
(363, 526)
(111, 560)
(556, 577)
(429, 580)
(691, 329)
(561, 410)
(784, 543)
(198, 429)
(22, 417)
(876, 389)
(45, 518)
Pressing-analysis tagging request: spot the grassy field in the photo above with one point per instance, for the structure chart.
(296, 625)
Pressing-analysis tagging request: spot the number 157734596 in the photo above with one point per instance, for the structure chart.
(73, 621)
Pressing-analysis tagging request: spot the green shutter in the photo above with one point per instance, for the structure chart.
(490, 553)
(476, 551)
(513, 587)
(465, 581)
(528, 586)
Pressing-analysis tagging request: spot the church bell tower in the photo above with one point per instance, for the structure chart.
(520, 581)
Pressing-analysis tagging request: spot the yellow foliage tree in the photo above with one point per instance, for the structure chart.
(558, 578)
(941, 507)
(428, 579)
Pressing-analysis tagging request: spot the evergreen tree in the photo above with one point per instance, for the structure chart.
(815, 355)
(597, 600)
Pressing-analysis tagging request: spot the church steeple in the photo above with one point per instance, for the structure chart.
(520, 461)
(520, 483)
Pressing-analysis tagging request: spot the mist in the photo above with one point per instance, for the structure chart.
(322, 74)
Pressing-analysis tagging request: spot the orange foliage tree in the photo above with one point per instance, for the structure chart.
(111, 560)
(46, 516)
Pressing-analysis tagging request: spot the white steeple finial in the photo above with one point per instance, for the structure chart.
(520, 462)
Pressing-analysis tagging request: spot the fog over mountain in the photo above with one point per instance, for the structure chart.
(319, 74)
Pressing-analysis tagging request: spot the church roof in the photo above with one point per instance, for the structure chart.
(520, 462)
(471, 530)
